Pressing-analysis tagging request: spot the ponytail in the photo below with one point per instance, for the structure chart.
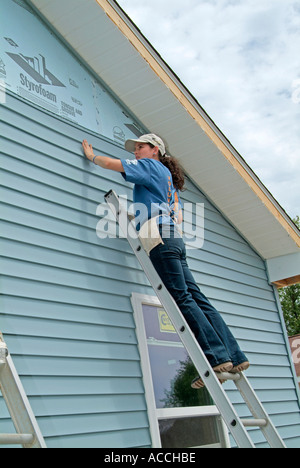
(176, 170)
(174, 167)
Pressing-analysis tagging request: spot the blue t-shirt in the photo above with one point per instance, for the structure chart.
(153, 193)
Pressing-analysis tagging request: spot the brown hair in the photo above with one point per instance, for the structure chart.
(174, 167)
(176, 170)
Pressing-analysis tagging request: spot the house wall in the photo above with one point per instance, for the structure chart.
(65, 307)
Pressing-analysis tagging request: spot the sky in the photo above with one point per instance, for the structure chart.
(240, 59)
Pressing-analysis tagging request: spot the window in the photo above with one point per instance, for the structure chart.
(179, 416)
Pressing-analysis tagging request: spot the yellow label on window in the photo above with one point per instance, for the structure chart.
(165, 323)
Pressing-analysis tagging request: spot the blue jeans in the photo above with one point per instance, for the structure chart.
(210, 330)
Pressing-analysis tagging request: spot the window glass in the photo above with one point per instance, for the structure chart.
(188, 432)
(171, 368)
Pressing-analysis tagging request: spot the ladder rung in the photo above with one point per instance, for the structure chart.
(227, 376)
(16, 439)
(254, 422)
(27, 433)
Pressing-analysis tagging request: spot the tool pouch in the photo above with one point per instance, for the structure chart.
(149, 235)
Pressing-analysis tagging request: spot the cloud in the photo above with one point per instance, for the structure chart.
(239, 58)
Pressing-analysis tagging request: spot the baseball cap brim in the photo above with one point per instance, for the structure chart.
(130, 145)
(150, 138)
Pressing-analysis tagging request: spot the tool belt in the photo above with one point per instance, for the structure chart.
(149, 235)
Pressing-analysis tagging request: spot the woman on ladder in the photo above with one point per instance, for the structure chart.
(158, 178)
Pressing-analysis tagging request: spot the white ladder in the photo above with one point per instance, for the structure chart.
(28, 433)
(211, 379)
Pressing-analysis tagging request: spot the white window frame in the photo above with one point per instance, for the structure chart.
(156, 414)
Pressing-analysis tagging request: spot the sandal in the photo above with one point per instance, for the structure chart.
(197, 383)
(225, 367)
(240, 367)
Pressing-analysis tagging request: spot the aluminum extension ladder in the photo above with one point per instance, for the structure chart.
(28, 433)
(236, 426)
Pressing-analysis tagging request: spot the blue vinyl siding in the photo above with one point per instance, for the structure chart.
(65, 305)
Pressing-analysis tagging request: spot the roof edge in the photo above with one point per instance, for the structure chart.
(287, 282)
(285, 270)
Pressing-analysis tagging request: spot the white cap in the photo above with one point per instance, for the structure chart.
(149, 138)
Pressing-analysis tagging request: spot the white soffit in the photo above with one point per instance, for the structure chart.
(105, 38)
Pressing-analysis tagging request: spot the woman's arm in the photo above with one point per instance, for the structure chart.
(103, 161)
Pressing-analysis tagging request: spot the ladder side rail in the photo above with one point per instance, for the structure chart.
(18, 405)
(259, 413)
(199, 359)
